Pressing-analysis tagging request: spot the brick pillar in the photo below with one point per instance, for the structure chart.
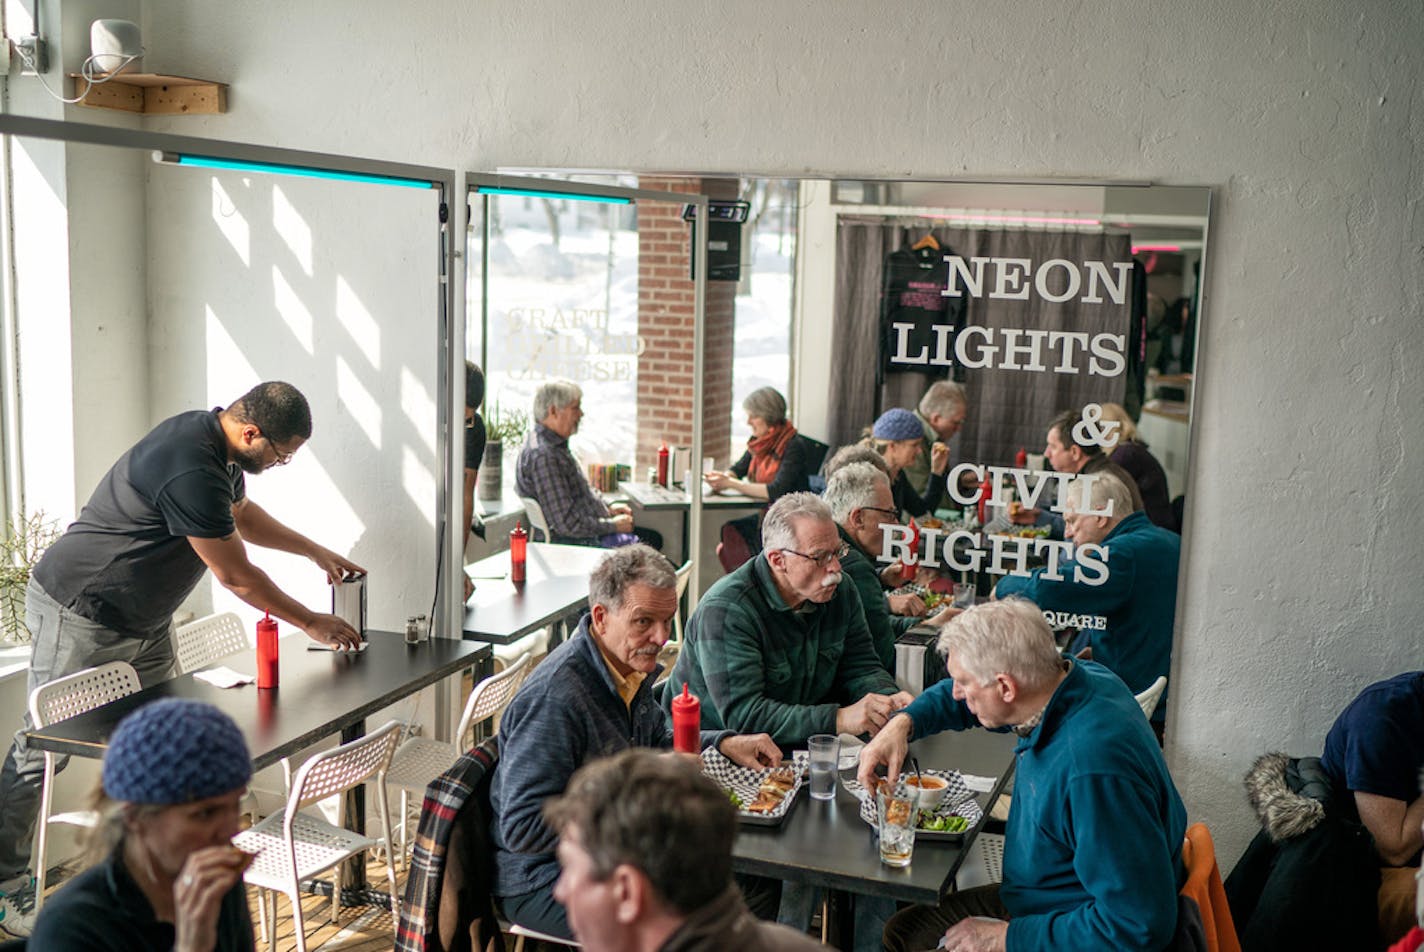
(665, 324)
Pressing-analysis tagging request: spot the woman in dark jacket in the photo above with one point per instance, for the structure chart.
(775, 461)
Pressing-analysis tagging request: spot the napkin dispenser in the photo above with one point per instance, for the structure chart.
(348, 601)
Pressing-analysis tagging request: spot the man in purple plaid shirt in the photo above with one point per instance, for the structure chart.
(548, 473)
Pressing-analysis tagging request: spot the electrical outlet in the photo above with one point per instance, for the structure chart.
(33, 54)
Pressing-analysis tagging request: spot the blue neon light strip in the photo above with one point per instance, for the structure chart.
(203, 162)
(536, 193)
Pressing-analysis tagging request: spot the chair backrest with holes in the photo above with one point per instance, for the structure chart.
(492, 695)
(341, 768)
(82, 691)
(199, 643)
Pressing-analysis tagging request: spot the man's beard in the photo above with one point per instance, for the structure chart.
(251, 462)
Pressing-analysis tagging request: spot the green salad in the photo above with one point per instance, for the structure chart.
(736, 800)
(935, 823)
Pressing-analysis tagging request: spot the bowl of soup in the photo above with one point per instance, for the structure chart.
(932, 789)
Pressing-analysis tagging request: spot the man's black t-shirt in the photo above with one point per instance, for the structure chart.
(475, 439)
(126, 562)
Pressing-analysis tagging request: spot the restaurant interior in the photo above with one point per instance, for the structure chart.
(536, 221)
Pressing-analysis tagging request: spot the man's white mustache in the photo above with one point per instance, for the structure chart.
(832, 580)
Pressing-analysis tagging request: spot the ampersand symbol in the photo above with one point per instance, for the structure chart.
(1089, 431)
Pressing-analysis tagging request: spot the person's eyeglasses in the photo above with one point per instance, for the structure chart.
(892, 513)
(825, 560)
(282, 458)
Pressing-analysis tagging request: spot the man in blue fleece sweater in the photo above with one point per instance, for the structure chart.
(1136, 595)
(1093, 849)
(591, 697)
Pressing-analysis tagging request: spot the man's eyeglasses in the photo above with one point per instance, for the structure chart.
(892, 513)
(282, 458)
(824, 561)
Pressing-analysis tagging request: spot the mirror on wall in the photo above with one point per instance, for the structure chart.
(1034, 299)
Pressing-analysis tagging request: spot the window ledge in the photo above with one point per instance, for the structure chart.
(14, 661)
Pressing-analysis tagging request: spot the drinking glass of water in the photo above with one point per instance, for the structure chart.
(824, 754)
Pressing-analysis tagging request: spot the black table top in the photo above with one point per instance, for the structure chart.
(826, 843)
(319, 693)
(556, 584)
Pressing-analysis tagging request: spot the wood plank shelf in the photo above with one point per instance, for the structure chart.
(154, 94)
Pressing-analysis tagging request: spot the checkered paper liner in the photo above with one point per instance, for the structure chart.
(958, 801)
(744, 781)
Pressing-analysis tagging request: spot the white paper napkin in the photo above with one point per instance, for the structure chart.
(979, 784)
(224, 677)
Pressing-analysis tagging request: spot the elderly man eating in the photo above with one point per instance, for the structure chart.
(780, 645)
(592, 696)
(1093, 849)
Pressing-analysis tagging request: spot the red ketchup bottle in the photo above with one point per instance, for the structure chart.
(518, 542)
(1020, 458)
(663, 464)
(986, 492)
(686, 722)
(267, 652)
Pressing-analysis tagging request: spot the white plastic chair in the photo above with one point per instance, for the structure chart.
(536, 517)
(199, 643)
(420, 760)
(521, 933)
(667, 657)
(293, 846)
(1148, 699)
(59, 700)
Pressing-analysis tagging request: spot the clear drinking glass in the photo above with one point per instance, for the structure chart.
(895, 808)
(963, 594)
(824, 751)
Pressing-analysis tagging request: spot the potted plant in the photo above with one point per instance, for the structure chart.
(503, 426)
(25, 540)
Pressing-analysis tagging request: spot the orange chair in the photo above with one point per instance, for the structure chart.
(1204, 887)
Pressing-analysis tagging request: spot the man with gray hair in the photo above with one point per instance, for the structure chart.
(858, 495)
(1093, 849)
(779, 645)
(941, 413)
(1127, 590)
(548, 473)
(590, 697)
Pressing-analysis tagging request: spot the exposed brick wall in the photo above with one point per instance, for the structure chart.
(665, 322)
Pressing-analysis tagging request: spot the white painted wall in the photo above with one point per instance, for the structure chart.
(1304, 528)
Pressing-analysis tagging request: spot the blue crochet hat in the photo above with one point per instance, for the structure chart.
(175, 751)
(897, 423)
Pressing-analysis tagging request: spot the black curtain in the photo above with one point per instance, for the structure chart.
(1008, 409)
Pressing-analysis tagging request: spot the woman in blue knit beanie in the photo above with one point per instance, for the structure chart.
(167, 875)
(898, 436)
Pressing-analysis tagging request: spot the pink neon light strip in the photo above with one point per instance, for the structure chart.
(1137, 248)
(1022, 219)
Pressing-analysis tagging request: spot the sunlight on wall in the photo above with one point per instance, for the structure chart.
(419, 484)
(358, 402)
(292, 309)
(231, 223)
(292, 229)
(359, 323)
(229, 373)
(419, 408)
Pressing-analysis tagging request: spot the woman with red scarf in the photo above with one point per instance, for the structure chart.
(775, 461)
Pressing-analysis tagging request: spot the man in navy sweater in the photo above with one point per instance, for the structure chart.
(1093, 849)
(590, 698)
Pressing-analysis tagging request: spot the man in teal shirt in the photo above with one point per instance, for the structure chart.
(1093, 848)
(780, 645)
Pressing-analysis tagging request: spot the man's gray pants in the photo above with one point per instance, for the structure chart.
(63, 644)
